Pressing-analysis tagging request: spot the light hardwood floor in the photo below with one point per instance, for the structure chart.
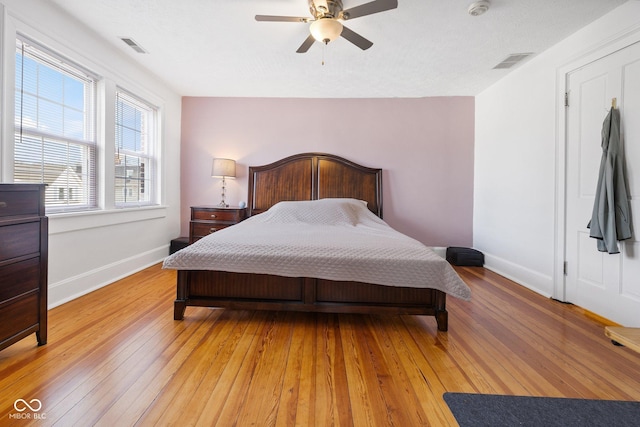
(116, 357)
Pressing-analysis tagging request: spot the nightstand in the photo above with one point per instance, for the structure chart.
(209, 219)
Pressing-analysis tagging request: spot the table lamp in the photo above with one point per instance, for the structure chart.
(223, 168)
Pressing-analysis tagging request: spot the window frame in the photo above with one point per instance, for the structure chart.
(153, 148)
(48, 59)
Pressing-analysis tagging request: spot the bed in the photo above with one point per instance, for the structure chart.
(307, 246)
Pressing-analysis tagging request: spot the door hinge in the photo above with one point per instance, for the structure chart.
(566, 99)
(564, 268)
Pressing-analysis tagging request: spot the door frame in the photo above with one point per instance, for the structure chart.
(606, 47)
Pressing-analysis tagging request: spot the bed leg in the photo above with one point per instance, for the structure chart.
(180, 304)
(178, 309)
(442, 318)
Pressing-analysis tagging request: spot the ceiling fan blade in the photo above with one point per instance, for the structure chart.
(306, 44)
(369, 8)
(274, 18)
(356, 38)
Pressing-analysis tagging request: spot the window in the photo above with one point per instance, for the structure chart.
(135, 161)
(55, 135)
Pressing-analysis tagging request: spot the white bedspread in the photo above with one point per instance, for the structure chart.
(334, 239)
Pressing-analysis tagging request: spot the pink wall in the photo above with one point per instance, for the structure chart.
(424, 145)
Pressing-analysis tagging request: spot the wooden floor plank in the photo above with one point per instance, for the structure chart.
(153, 382)
(391, 353)
(117, 357)
(297, 382)
(266, 386)
(204, 373)
(229, 396)
(367, 408)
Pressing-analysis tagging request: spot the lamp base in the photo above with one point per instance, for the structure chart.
(222, 203)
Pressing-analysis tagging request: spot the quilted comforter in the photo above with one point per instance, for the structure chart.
(333, 239)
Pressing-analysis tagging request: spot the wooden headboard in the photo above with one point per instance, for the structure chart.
(313, 176)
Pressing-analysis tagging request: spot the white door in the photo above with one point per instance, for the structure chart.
(608, 285)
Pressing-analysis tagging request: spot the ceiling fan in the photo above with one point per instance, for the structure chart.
(326, 21)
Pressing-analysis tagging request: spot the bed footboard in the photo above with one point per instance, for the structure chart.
(267, 292)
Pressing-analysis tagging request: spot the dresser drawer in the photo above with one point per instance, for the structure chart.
(13, 203)
(18, 316)
(19, 239)
(201, 229)
(19, 278)
(234, 215)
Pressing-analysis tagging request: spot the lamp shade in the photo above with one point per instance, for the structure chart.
(325, 29)
(223, 168)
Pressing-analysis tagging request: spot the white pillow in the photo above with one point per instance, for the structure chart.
(323, 211)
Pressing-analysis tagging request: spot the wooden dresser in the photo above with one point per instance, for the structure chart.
(23, 263)
(209, 219)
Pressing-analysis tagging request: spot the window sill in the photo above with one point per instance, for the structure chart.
(75, 221)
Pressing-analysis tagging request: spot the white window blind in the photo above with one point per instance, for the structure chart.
(55, 135)
(135, 159)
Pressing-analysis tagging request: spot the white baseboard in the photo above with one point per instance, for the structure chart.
(442, 251)
(82, 284)
(536, 281)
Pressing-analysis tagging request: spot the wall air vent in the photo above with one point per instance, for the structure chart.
(133, 44)
(512, 60)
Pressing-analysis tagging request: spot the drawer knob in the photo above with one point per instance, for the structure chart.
(214, 216)
(3, 204)
(212, 230)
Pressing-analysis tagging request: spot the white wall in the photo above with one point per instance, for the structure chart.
(91, 250)
(519, 155)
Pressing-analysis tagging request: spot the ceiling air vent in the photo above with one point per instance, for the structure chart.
(133, 44)
(512, 60)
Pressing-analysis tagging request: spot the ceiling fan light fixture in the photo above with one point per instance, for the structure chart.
(325, 30)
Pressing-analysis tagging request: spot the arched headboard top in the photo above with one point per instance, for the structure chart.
(313, 176)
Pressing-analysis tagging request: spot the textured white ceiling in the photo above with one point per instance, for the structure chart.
(422, 48)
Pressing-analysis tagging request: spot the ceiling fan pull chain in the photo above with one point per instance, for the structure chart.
(324, 47)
